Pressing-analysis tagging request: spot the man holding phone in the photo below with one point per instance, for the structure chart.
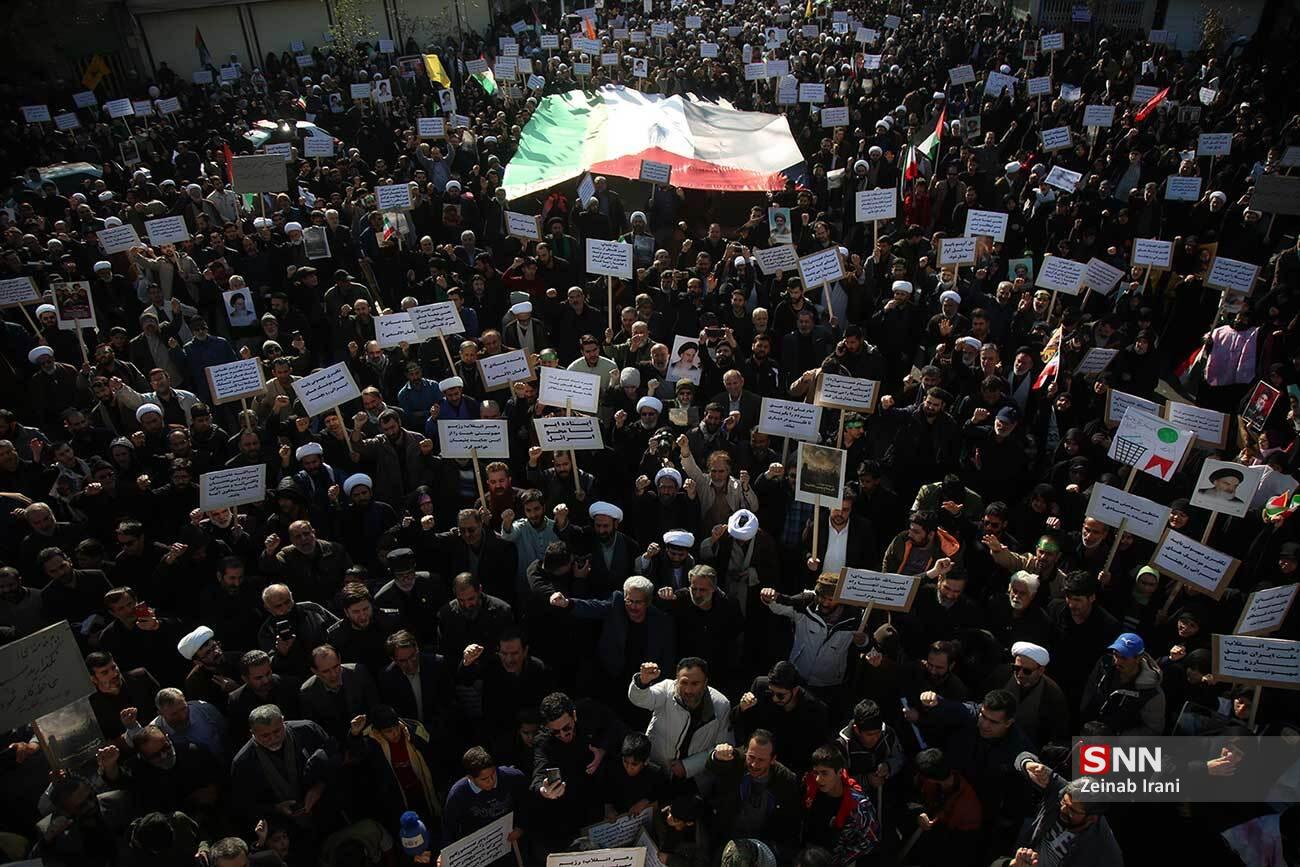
(567, 756)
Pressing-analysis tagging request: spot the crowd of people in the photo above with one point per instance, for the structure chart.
(395, 648)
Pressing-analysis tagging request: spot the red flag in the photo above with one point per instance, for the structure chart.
(229, 158)
(1049, 370)
(1188, 362)
(1146, 110)
(589, 27)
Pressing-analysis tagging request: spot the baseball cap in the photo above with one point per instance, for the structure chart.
(1128, 645)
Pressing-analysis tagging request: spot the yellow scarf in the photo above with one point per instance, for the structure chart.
(418, 765)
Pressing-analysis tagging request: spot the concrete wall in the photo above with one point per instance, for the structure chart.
(1185, 17)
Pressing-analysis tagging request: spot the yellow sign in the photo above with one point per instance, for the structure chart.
(95, 72)
(433, 66)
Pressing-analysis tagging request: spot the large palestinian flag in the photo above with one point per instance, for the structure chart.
(710, 146)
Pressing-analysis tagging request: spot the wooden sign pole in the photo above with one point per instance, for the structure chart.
(451, 362)
(573, 454)
(478, 478)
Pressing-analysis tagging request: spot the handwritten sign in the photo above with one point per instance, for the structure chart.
(431, 127)
(1153, 252)
(573, 433)
(324, 389)
(1144, 518)
(835, 115)
(1118, 403)
(550, 41)
(522, 226)
(119, 108)
(957, 251)
(883, 590)
(238, 379)
(1052, 41)
(774, 259)
(1061, 275)
(1142, 93)
(1266, 610)
(167, 230)
(1181, 189)
(283, 150)
(260, 173)
(812, 92)
(634, 857)
(222, 489)
(1149, 444)
(655, 173)
(879, 204)
(620, 831)
(1040, 86)
(964, 74)
(67, 120)
(479, 66)
(609, 258)
(1187, 560)
(992, 224)
(1095, 361)
(1256, 661)
(393, 197)
(1099, 115)
(1101, 277)
(1063, 179)
(847, 392)
(997, 82)
(820, 268)
(17, 290)
(85, 99)
(1214, 144)
(36, 113)
(465, 438)
(432, 320)
(1209, 426)
(39, 674)
(118, 239)
(788, 418)
(1276, 194)
(482, 847)
(1233, 275)
(569, 388)
(755, 71)
(504, 368)
(394, 330)
(1057, 138)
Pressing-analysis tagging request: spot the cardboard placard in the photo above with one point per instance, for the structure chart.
(1063, 179)
(1181, 189)
(1101, 277)
(819, 475)
(1057, 138)
(1209, 426)
(318, 146)
(393, 197)
(395, 329)
(1187, 560)
(812, 92)
(881, 590)
(655, 173)
(1061, 275)
(36, 113)
(847, 393)
(1144, 518)
(835, 115)
(67, 121)
(15, 291)
(1266, 610)
(259, 173)
(118, 239)
(877, 204)
(322, 390)
(1227, 487)
(569, 388)
(1233, 275)
(74, 305)
(465, 438)
(167, 230)
(1118, 403)
(1148, 443)
(237, 379)
(992, 224)
(755, 71)
(116, 108)
(1095, 360)
(1257, 661)
(482, 847)
(568, 433)
(223, 489)
(522, 226)
(504, 368)
(1153, 252)
(439, 318)
(622, 830)
(789, 418)
(820, 268)
(1214, 144)
(964, 74)
(1099, 115)
(85, 99)
(1039, 86)
(635, 857)
(773, 259)
(957, 251)
(283, 150)
(43, 672)
(1052, 41)
(609, 258)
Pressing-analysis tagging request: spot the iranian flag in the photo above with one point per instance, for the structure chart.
(710, 146)
(927, 150)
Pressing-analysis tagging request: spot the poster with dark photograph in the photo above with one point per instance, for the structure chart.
(684, 362)
(778, 224)
(239, 308)
(74, 305)
(1263, 397)
(316, 242)
(820, 479)
(71, 736)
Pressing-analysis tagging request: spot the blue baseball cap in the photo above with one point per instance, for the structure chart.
(1128, 645)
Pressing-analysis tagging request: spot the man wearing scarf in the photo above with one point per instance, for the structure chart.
(400, 763)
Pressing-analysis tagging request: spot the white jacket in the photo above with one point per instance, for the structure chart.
(670, 723)
(821, 650)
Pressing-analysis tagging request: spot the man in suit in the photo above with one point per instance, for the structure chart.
(336, 692)
(418, 685)
(844, 538)
(736, 399)
(261, 686)
(467, 548)
(288, 763)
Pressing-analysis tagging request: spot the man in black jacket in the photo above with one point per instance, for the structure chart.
(567, 756)
(758, 797)
(261, 686)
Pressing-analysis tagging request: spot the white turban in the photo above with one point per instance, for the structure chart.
(193, 188)
(950, 296)
(939, 94)
(972, 342)
(292, 227)
(38, 353)
(452, 185)
(1004, 69)
(145, 408)
(669, 473)
(521, 307)
(860, 164)
(308, 449)
(262, 223)
(47, 308)
(636, 214)
(1011, 168)
(875, 152)
(679, 539)
(649, 402)
(192, 643)
(742, 525)
(1033, 651)
(609, 510)
(357, 479)
(103, 265)
(450, 383)
(901, 286)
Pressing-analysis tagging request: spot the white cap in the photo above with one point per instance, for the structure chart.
(669, 473)
(357, 479)
(609, 510)
(939, 94)
(742, 525)
(38, 353)
(1004, 69)
(739, 260)
(1035, 652)
(193, 188)
(521, 307)
(145, 408)
(103, 265)
(450, 383)
(292, 227)
(193, 643)
(901, 286)
(679, 539)
(262, 223)
(308, 449)
(649, 402)
(950, 296)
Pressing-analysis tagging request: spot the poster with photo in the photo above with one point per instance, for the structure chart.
(684, 361)
(778, 225)
(1262, 400)
(239, 308)
(316, 242)
(820, 477)
(74, 305)
(1227, 487)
